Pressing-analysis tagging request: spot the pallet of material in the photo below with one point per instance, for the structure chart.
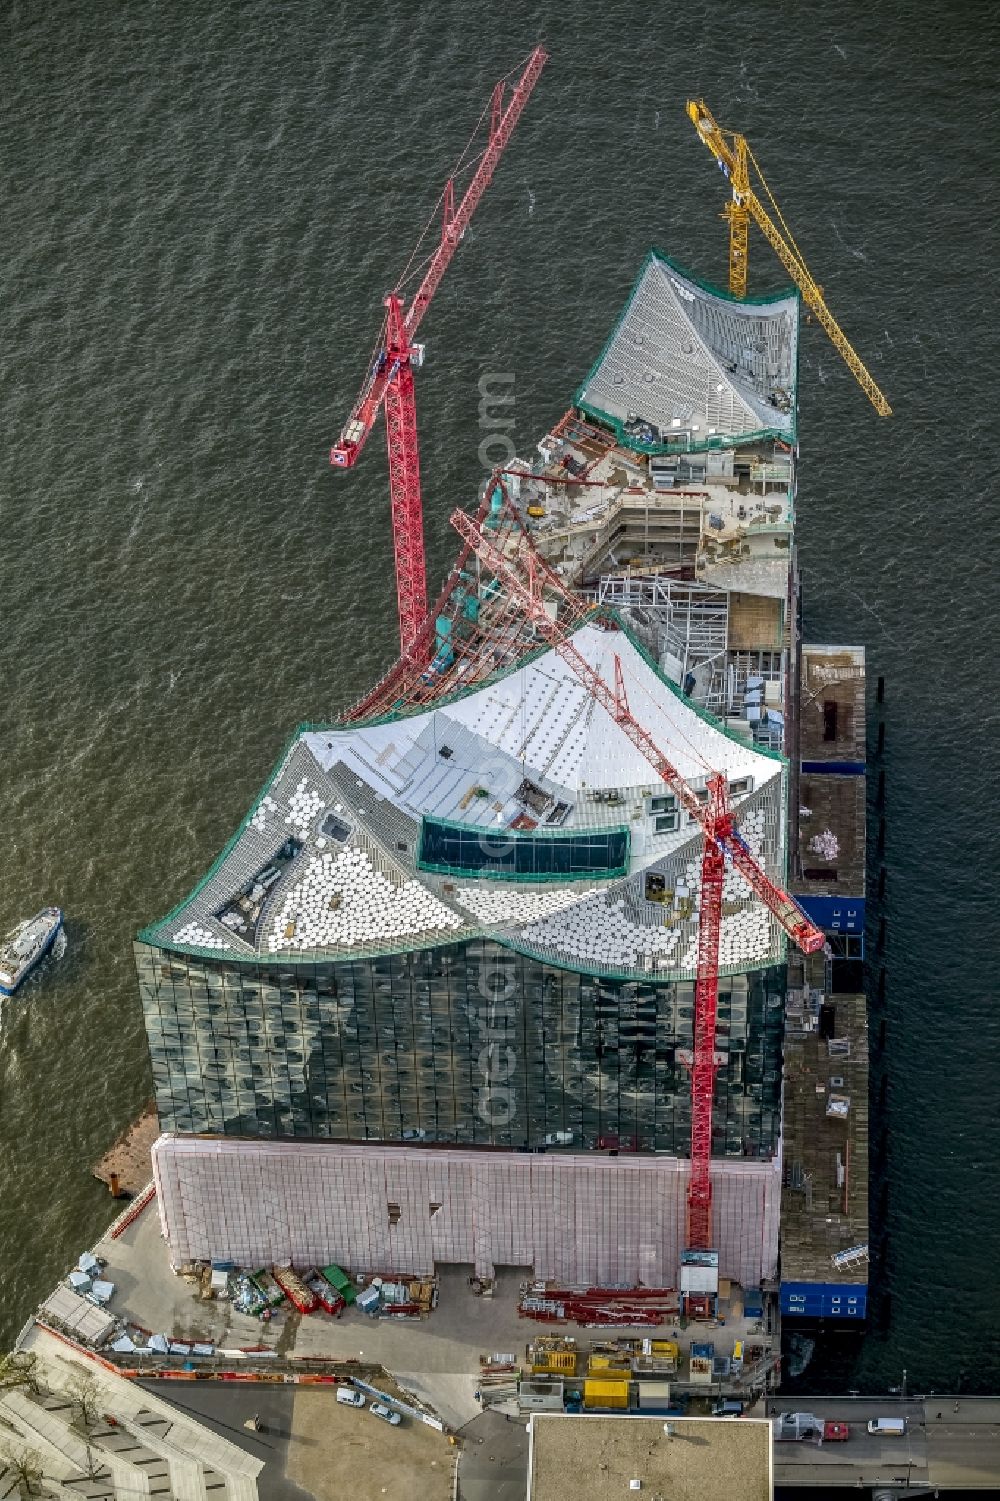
(268, 1287)
(599, 1307)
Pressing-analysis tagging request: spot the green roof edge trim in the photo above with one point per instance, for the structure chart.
(146, 934)
(654, 253)
(291, 960)
(791, 290)
(662, 977)
(709, 444)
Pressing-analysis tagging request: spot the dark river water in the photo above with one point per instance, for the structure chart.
(202, 206)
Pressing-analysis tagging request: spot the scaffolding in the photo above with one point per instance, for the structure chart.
(684, 622)
(755, 688)
(474, 633)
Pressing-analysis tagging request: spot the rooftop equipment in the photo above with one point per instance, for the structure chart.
(390, 371)
(734, 157)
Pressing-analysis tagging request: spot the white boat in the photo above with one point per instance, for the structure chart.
(22, 949)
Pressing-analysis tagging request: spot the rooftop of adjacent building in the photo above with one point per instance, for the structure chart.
(600, 1458)
(824, 1207)
(831, 773)
(832, 715)
(85, 1430)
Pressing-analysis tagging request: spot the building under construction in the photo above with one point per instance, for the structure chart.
(447, 994)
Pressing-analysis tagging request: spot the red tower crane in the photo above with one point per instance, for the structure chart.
(390, 376)
(715, 816)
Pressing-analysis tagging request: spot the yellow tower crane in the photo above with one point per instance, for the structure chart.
(735, 157)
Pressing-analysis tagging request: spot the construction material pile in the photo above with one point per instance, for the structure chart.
(386, 1297)
(598, 1307)
(327, 1289)
(261, 1292)
(499, 1375)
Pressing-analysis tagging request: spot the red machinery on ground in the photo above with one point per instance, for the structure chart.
(390, 375)
(524, 574)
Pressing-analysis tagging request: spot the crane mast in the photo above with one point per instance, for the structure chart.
(714, 816)
(733, 156)
(389, 380)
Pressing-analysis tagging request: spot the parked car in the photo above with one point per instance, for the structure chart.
(350, 1397)
(887, 1427)
(385, 1413)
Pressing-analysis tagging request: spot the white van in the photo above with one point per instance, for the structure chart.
(350, 1397)
(887, 1427)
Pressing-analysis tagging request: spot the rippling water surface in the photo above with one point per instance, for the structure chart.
(202, 207)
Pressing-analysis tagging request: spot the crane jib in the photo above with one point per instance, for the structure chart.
(721, 833)
(456, 224)
(732, 163)
(406, 496)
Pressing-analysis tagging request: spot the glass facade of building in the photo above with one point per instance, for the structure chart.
(466, 1044)
(510, 854)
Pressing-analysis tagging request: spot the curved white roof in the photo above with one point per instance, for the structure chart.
(691, 362)
(541, 721)
(327, 862)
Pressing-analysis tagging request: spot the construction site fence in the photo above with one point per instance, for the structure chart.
(229, 1365)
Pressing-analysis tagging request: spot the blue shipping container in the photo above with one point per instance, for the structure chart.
(835, 914)
(824, 1300)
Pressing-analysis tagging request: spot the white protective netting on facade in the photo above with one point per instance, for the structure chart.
(572, 1218)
